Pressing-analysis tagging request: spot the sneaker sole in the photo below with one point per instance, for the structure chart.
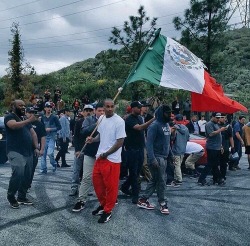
(25, 203)
(167, 213)
(141, 206)
(14, 207)
(77, 210)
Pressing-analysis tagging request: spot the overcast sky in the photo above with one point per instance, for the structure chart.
(57, 33)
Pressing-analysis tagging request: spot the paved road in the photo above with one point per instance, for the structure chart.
(199, 215)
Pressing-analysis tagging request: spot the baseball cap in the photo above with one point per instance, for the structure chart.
(145, 104)
(48, 104)
(88, 106)
(179, 117)
(136, 104)
(216, 115)
(31, 110)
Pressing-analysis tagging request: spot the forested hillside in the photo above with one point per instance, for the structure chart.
(101, 76)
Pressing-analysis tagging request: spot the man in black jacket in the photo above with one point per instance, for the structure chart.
(90, 151)
(79, 140)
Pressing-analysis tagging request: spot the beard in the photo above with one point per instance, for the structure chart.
(19, 112)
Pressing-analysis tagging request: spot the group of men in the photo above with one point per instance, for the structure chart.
(99, 140)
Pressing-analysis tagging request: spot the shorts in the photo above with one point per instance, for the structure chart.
(247, 150)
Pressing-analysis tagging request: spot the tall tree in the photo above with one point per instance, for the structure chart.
(15, 59)
(134, 36)
(203, 23)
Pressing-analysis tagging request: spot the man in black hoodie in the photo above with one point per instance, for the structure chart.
(158, 146)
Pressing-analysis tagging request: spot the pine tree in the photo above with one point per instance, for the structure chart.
(202, 25)
(132, 37)
(15, 59)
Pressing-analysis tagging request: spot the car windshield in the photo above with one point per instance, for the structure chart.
(1, 122)
(194, 136)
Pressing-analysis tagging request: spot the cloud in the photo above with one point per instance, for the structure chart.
(76, 31)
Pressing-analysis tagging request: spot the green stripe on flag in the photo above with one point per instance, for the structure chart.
(150, 65)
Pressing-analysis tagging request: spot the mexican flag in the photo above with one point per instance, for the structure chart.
(169, 64)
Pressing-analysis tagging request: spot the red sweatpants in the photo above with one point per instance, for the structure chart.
(106, 182)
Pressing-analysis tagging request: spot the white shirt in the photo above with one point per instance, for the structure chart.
(110, 130)
(193, 148)
(202, 124)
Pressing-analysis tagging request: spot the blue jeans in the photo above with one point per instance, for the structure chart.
(238, 149)
(135, 158)
(77, 166)
(48, 150)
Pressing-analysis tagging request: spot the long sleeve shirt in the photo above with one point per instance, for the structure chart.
(65, 131)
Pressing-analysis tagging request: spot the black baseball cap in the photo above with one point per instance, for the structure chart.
(136, 104)
(31, 110)
(216, 115)
(145, 104)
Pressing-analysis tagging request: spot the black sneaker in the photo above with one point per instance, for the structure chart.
(178, 182)
(203, 182)
(221, 182)
(105, 217)
(13, 202)
(98, 211)
(65, 165)
(126, 192)
(78, 206)
(24, 201)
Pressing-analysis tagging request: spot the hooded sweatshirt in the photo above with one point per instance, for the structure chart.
(158, 137)
(180, 140)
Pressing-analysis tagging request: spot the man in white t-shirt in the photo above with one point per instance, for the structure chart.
(106, 170)
(202, 123)
(195, 152)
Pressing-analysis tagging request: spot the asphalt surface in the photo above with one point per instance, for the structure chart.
(210, 215)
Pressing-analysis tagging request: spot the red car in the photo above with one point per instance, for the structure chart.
(202, 141)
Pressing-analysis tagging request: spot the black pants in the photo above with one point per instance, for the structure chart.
(213, 163)
(224, 158)
(170, 170)
(63, 150)
(35, 161)
(135, 159)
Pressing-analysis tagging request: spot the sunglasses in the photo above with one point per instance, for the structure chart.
(88, 110)
(48, 106)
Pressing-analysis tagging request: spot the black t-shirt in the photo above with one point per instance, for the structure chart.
(226, 135)
(39, 128)
(135, 139)
(18, 140)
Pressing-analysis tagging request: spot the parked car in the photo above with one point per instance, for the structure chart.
(202, 141)
(3, 155)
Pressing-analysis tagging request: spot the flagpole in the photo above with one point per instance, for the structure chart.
(98, 123)
(157, 33)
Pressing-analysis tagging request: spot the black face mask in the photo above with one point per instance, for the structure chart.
(166, 117)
